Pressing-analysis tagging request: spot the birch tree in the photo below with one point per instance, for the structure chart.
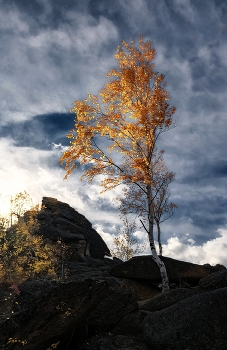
(135, 199)
(116, 131)
(163, 208)
(125, 244)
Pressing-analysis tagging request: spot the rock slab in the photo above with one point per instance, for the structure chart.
(198, 322)
(144, 268)
(57, 220)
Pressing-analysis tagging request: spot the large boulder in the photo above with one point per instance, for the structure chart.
(142, 289)
(92, 310)
(57, 220)
(198, 322)
(58, 316)
(144, 268)
(163, 300)
(214, 281)
(110, 311)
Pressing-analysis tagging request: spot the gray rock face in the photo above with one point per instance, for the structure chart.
(92, 310)
(110, 342)
(111, 311)
(144, 268)
(140, 288)
(198, 322)
(213, 281)
(59, 220)
(162, 301)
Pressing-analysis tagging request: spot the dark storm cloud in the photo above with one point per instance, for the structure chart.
(41, 131)
(207, 173)
(206, 212)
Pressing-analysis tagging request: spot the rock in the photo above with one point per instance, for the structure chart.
(161, 301)
(111, 342)
(164, 300)
(127, 335)
(198, 322)
(93, 310)
(59, 316)
(141, 289)
(110, 311)
(214, 281)
(130, 324)
(31, 293)
(105, 304)
(57, 220)
(89, 268)
(144, 268)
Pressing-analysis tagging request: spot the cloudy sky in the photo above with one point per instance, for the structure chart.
(54, 52)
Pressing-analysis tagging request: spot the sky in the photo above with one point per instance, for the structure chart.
(53, 53)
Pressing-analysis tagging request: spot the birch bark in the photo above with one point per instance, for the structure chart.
(156, 258)
(159, 238)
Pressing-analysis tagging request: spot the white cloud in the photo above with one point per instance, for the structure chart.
(26, 168)
(58, 146)
(211, 252)
(90, 34)
(107, 237)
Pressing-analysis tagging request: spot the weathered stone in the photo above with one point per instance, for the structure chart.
(110, 311)
(62, 313)
(144, 268)
(86, 267)
(198, 322)
(111, 342)
(95, 311)
(141, 289)
(214, 281)
(31, 293)
(57, 220)
(164, 300)
(130, 324)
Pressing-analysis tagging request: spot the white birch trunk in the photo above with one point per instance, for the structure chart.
(158, 261)
(159, 238)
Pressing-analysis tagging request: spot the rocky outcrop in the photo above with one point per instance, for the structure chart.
(197, 322)
(84, 312)
(162, 301)
(180, 272)
(57, 315)
(195, 318)
(57, 220)
(213, 281)
(105, 304)
(94, 310)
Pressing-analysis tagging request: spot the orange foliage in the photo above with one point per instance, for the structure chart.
(135, 112)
